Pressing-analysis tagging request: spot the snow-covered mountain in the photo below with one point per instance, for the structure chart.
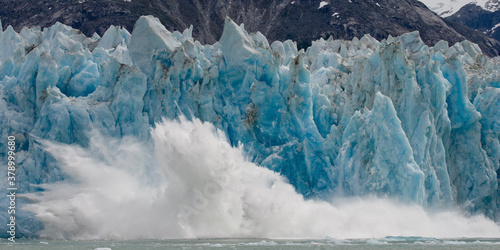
(480, 15)
(445, 8)
(479, 19)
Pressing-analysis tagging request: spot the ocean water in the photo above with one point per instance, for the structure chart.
(328, 243)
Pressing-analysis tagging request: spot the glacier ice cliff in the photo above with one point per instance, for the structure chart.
(394, 118)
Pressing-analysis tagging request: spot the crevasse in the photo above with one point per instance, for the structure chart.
(394, 118)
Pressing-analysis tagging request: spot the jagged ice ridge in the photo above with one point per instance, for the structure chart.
(394, 118)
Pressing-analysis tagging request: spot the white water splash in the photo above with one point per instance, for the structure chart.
(195, 185)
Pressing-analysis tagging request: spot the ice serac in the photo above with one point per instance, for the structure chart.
(392, 118)
(113, 37)
(468, 164)
(376, 156)
(488, 103)
(236, 46)
(150, 37)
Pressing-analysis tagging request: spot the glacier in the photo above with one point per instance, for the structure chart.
(394, 118)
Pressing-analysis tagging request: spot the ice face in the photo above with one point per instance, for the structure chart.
(394, 118)
(202, 187)
(375, 152)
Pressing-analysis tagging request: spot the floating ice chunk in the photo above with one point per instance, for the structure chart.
(322, 4)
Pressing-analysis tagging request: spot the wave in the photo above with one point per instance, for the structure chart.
(191, 183)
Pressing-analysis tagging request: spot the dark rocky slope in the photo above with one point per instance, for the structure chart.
(477, 18)
(300, 20)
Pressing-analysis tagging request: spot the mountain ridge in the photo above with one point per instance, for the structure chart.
(479, 19)
(446, 8)
(299, 20)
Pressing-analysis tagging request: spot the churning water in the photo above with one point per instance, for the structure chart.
(193, 184)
